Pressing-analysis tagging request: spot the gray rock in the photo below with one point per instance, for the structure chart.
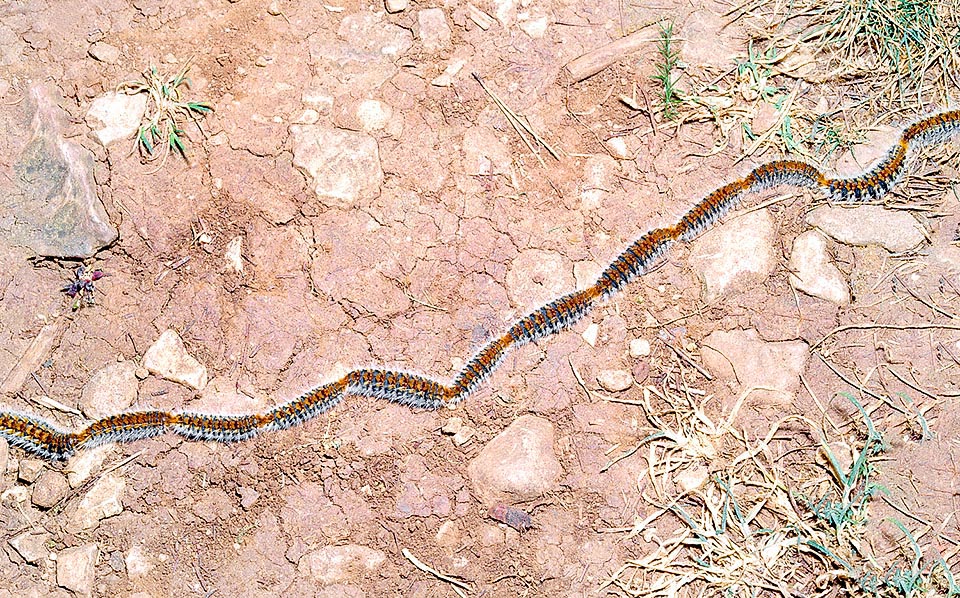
(49, 489)
(742, 356)
(168, 358)
(735, 253)
(518, 464)
(812, 271)
(336, 564)
(434, 32)
(110, 390)
(104, 499)
(32, 547)
(75, 568)
(868, 225)
(343, 165)
(116, 116)
(51, 190)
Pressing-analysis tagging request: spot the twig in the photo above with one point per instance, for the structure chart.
(458, 585)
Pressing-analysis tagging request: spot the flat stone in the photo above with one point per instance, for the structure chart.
(395, 6)
(373, 115)
(75, 568)
(535, 27)
(639, 347)
(30, 470)
(104, 52)
(518, 464)
(51, 186)
(343, 166)
(434, 32)
(615, 380)
(735, 253)
(116, 116)
(336, 564)
(82, 465)
(50, 489)
(742, 356)
(233, 255)
(590, 334)
(104, 499)
(893, 230)
(138, 563)
(812, 271)
(31, 547)
(168, 358)
(110, 390)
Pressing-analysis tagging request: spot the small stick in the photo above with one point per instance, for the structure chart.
(594, 61)
(458, 585)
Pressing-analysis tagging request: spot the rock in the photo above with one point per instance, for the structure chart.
(233, 255)
(110, 390)
(505, 11)
(373, 115)
(735, 253)
(334, 564)
(51, 187)
(615, 380)
(18, 494)
(639, 347)
(83, 464)
(618, 147)
(742, 356)
(453, 425)
(49, 489)
(434, 32)
(75, 568)
(168, 358)
(138, 563)
(463, 436)
(813, 273)
(394, 6)
(586, 273)
(104, 499)
(537, 276)
(114, 116)
(518, 464)
(248, 496)
(104, 52)
(445, 79)
(343, 165)
(895, 231)
(32, 547)
(30, 470)
(590, 334)
(535, 28)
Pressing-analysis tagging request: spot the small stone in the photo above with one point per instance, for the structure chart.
(639, 347)
(449, 534)
(263, 61)
(111, 389)
(739, 252)
(75, 568)
(813, 273)
(30, 470)
(691, 478)
(373, 115)
(141, 373)
(32, 547)
(233, 255)
(434, 31)
(101, 501)
(137, 562)
(116, 116)
(615, 380)
(334, 564)
(445, 79)
(168, 358)
(482, 19)
(248, 496)
(307, 117)
(590, 334)
(463, 436)
(518, 464)
(535, 28)
(49, 489)
(453, 425)
(586, 273)
(395, 6)
(104, 52)
(893, 230)
(343, 166)
(80, 467)
(618, 147)
(274, 9)
(16, 494)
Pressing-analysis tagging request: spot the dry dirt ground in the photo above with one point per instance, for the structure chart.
(466, 231)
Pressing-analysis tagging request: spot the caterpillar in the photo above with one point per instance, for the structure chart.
(44, 439)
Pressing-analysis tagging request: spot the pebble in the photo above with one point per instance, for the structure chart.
(453, 425)
(335, 564)
(586, 273)
(233, 254)
(30, 470)
(449, 534)
(812, 271)
(110, 390)
(741, 355)
(137, 562)
(104, 499)
(893, 230)
(84, 463)
(518, 464)
(615, 380)
(395, 6)
(263, 61)
(372, 115)
(32, 547)
(590, 334)
(535, 28)
(618, 147)
(15, 494)
(639, 347)
(104, 52)
(445, 79)
(116, 116)
(343, 166)
(735, 254)
(168, 358)
(463, 436)
(434, 31)
(248, 496)
(691, 478)
(75, 568)
(50, 489)
(274, 9)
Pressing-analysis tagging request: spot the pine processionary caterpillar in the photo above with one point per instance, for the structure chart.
(42, 438)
